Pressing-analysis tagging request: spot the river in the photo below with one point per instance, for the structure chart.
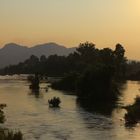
(31, 114)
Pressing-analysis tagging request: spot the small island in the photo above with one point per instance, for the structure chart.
(54, 102)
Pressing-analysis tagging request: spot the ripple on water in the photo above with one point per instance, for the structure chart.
(37, 121)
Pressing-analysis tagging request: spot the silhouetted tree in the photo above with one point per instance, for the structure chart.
(34, 82)
(43, 58)
(120, 61)
(133, 113)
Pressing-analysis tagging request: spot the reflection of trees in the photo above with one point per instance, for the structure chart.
(95, 75)
(36, 93)
(104, 108)
(132, 117)
(34, 80)
(34, 87)
(96, 120)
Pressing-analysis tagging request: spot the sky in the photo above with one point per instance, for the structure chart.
(70, 22)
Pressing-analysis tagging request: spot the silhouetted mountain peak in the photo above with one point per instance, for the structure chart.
(13, 53)
(13, 45)
(49, 45)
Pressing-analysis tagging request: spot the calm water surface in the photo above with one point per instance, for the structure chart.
(30, 113)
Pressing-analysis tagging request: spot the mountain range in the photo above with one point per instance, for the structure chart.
(13, 53)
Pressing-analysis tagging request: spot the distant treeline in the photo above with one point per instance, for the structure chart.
(90, 72)
(56, 65)
(133, 70)
(93, 75)
(84, 56)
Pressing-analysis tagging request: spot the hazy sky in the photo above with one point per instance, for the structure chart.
(69, 22)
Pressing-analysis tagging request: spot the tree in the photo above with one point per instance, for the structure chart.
(88, 54)
(85, 49)
(107, 56)
(120, 61)
(119, 52)
(43, 58)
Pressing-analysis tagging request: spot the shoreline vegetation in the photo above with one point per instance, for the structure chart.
(93, 75)
(96, 82)
(5, 133)
(89, 72)
(132, 116)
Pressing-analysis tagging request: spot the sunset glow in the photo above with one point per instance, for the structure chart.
(69, 22)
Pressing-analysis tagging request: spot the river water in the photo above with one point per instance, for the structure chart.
(31, 114)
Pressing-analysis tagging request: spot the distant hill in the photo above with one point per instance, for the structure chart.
(13, 53)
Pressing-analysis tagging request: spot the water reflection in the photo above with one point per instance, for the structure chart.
(104, 106)
(73, 121)
(55, 109)
(97, 107)
(96, 121)
(35, 93)
(130, 126)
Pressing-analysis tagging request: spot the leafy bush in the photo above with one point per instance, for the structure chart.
(133, 112)
(2, 116)
(67, 83)
(54, 102)
(34, 82)
(6, 134)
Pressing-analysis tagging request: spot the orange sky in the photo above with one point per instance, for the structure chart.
(70, 22)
